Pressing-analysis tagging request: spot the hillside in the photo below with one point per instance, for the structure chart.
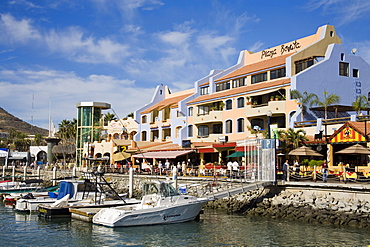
(8, 122)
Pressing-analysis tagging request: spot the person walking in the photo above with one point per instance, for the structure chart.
(285, 170)
(325, 171)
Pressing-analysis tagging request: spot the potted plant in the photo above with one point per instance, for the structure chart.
(248, 100)
(272, 98)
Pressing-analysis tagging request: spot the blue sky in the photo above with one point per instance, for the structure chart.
(68, 51)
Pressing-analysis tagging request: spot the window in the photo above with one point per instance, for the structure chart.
(239, 82)
(190, 111)
(304, 64)
(143, 119)
(257, 122)
(190, 131)
(277, 73)
(240, 125)
(177, 133)
(355, 73)
(223, 86)
(143, 136)
(229, 126)
(204, 90)
(217, 129)
(342, 56)
(343, 69)
(203, 110)
(259, 77)
(241, 102)
(203, 130)
(229, 104)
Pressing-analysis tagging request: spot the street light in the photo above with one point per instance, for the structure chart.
(269, 114)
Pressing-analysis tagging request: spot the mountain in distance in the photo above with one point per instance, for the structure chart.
(8, 122)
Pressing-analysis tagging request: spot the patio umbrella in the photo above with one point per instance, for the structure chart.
(236, 154)
(304, 151)
(355, 149)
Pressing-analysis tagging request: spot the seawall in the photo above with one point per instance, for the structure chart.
(334, 204)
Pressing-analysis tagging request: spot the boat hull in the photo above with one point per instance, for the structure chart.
(115, 217)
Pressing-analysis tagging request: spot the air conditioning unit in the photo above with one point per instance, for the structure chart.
(156, 119)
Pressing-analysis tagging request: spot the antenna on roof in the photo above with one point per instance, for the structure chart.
(353, 51)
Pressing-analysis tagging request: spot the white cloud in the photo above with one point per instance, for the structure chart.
(347, 11)
(75, 46)
(65, 89)
(175, 38)
(256, 46)
(72, 43)
(14, 31)
(363, 50)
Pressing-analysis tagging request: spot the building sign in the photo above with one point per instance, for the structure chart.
(286, 48)
(223, 139)
(348, 134)
(122, 148)
(186, 144)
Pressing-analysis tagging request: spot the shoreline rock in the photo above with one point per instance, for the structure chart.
(297, 205)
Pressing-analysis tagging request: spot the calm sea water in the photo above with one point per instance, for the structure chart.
(216, 228)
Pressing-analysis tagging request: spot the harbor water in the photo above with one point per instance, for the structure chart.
(216, 228)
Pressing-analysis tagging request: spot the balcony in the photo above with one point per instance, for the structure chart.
(210, 137)
(261, 109)
(212, 116)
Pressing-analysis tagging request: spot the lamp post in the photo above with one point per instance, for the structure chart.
(269, 114)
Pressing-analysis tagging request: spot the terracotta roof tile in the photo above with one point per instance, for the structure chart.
(250, 68)
(239, 90)
(171, 101)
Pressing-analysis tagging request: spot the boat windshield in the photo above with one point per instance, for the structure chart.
(167, 190)
(150, 189)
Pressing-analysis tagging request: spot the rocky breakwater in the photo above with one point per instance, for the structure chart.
(240, 203)
(316, 208)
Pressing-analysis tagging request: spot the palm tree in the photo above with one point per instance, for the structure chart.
(361, 103)
(38, 140)
(67, 133)
(292, 137)
(304, 99)
(329, 99)
(109, 117)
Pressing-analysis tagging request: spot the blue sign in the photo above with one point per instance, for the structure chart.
(268, 143)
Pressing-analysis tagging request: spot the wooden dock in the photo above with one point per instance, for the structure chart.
(84, 214)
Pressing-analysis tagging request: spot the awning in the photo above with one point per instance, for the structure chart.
(162, 154)
(206, 150)
(3, 153)
(121, 156)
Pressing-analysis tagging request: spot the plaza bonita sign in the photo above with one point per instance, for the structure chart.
(283, 49)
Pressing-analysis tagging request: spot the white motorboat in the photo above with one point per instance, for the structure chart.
(161, 204)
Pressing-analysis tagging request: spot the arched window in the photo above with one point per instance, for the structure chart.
(240, 125)
(240, 102)
(342, 56)
(229, 104)
(229, 126)
(178, 128)
(190, 111)
(143, 119)
(190, 131)
(143, 136)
